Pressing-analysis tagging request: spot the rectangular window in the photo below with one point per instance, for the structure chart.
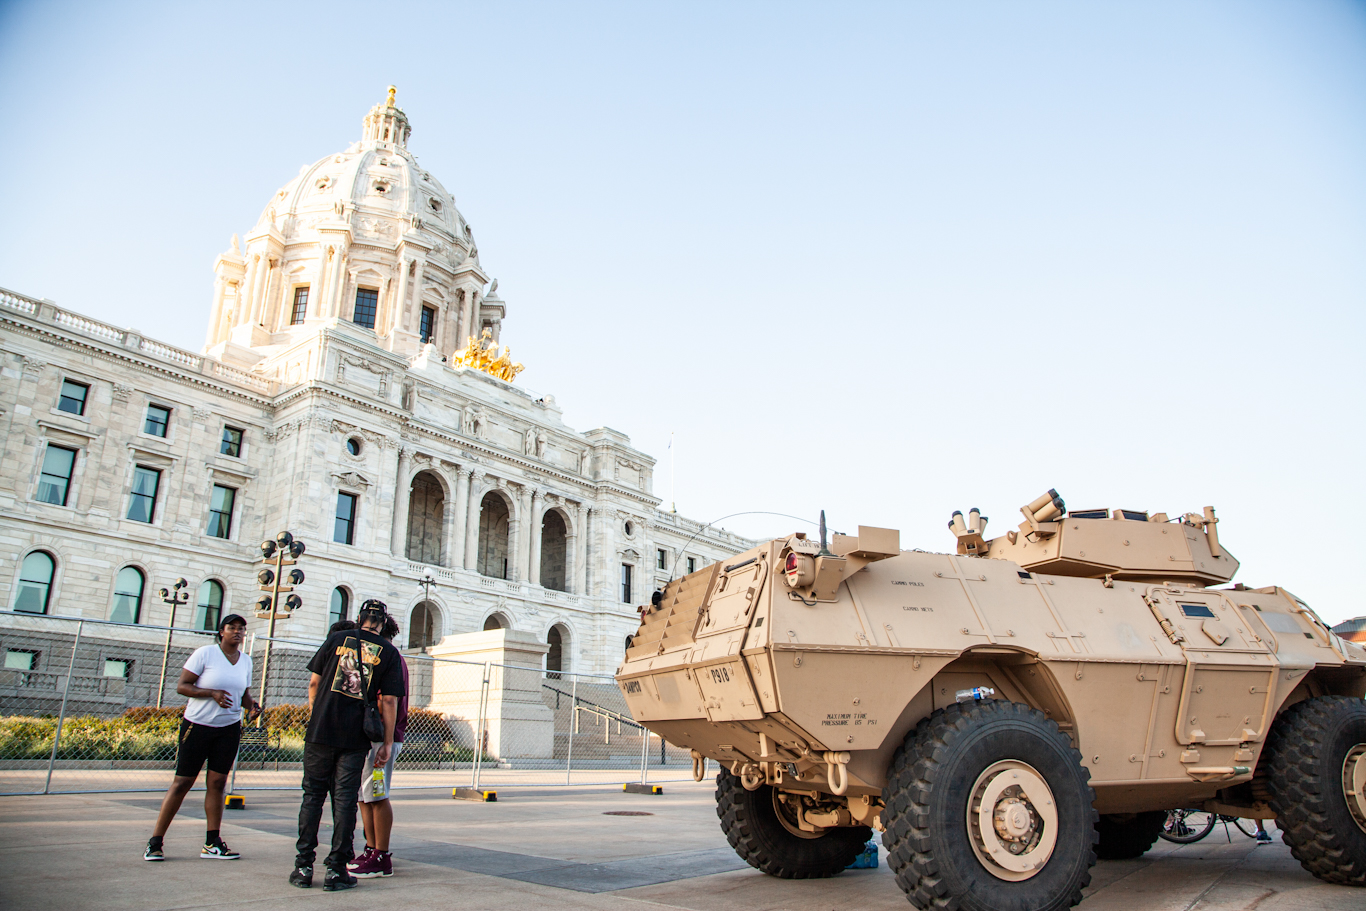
(343, 532)
(18, 659)
(142, 502)
(367, 302)
(55, 481)
(72, 400)
(661, 559)
(300, 311)
(428, 321)
(114, 667)
(232, 442)
(626, 582)
(220, 511)
(157, 420)
(692, 565)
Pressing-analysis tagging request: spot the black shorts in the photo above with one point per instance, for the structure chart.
(199, 742)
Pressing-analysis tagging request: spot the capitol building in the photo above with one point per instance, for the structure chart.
(355, 389)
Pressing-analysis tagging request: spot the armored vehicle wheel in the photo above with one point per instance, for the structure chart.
(756, 828)
(989, 809)
(1314, 768)
(1128, 835)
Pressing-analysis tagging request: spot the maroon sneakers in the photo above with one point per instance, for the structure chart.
(356, 862)
(377, 863)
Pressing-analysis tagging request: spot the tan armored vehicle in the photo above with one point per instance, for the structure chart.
(1008, 713)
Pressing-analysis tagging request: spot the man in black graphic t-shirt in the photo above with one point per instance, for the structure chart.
(350, 668)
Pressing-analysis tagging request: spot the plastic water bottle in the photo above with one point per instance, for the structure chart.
(377, 784)
(976, 694)
(867, 860)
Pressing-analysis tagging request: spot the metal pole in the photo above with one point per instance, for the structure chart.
(61, 715)
(175, 602)
(481, 731)
(644, 757)
(232, 785)
(569, 753)
(270, 636)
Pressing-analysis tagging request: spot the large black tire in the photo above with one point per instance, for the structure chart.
(753, 829)
(934, 775)
(1302, 769)
(1125, 836)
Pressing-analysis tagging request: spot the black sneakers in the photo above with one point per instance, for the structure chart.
(218, 850)
(302, 877)
(154, 851)
(336, 880)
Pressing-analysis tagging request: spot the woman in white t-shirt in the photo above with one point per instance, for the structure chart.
(217, 679)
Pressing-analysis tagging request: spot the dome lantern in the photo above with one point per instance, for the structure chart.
(386, 123)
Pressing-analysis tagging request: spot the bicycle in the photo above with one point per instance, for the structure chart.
(1184, 827)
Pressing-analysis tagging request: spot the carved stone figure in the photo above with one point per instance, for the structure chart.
(540, 445)
(529, 443)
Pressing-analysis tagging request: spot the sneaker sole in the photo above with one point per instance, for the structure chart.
(145, 857)
(337, 887)
(370, 875)
(220, 856)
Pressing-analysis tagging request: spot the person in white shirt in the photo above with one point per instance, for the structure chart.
(217, 680)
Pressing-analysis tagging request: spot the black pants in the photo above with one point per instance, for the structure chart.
(328, 770)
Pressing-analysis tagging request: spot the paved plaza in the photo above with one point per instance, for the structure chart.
(543, 848)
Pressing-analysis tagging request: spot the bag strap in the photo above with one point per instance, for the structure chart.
(365, 676)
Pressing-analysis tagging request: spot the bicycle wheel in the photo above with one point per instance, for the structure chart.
(1185, 826)
(1246, 826)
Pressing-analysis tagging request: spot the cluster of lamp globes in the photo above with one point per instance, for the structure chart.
(277, 554)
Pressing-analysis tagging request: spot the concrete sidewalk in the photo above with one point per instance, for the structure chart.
(541, 848)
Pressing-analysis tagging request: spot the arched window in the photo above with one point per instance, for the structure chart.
(35, 583)
(426, 513)
(493, 622)
(554, 658)
(628, 642)
(423, 624)
(210, 605)
(493, 536)
(128, 595)
(340, 607)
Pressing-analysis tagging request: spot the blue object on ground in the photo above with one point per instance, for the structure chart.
(867, 860)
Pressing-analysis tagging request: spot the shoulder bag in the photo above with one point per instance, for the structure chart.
(373, 724)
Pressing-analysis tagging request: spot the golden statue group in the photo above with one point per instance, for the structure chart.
(482, 354)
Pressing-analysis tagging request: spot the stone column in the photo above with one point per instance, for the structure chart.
(571, 552)
(258, 290)
(461, 515)
(476, 494)
(401, 296)
(402, 495)
(220, 287)
(244, 298)
(533, 573)
(516, 552)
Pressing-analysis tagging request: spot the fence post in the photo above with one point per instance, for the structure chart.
(232, 785)
(573, 712)
(481, 730)
(644, 754)
(61, 715)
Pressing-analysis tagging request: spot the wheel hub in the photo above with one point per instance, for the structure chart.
(1012, 820)
(1354, 783)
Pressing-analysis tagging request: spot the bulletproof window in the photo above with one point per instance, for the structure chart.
(232, 442)
(1196, 610)
(1089, 514)
(142, 501)
(367, 302)
(300, 311)
(1134, 516)
(54, 483)
(158, 418)
(73, 396)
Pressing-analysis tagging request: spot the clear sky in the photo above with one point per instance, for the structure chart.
(889, 260)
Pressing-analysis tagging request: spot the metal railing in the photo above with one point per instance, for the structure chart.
(78, 714)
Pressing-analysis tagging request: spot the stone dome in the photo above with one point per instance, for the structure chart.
(368, 224)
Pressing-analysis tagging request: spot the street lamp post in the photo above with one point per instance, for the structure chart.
(427, 581)
(279, 553)
(174, 597)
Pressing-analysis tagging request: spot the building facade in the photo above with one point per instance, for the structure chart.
(338, 396)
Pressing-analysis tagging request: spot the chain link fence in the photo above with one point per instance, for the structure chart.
(90, 706)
